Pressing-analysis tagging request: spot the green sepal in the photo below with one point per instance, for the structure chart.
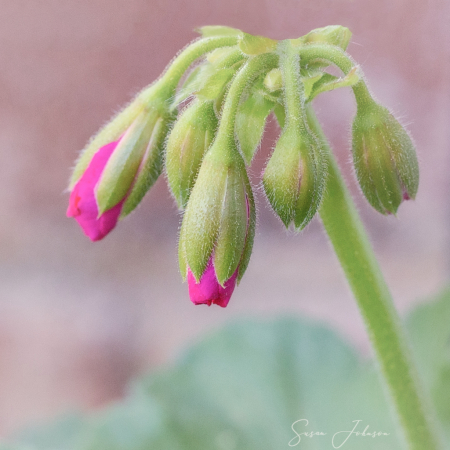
(224, 57)
(187, 143)
(202, 219)
(215, 84)
(294, 177)
(280, 114)
(251, 228)
(281, 178)
(182, 260)
(121, 168)
(217, 30)
(151, 165)
(109, 133)
(332, 34)
(384, 158)
(250, 122)
(255, 45)
(309, 79)
(233, 226)
(329, 82)
(190, 85)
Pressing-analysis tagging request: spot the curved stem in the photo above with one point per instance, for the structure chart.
(248, 72)
(337, 57)
(171, 77)
(350, 242)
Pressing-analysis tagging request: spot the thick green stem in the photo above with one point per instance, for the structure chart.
(350, 242)
(293, 86)
(181, 63)
(248, 72)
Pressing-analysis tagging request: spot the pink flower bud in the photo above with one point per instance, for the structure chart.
(208, 290)
(83, 204)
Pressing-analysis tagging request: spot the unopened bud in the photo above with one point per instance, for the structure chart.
(219, 223)
(273, 81)
(188, 142)
(294, 177)
(384, 158)
(110, 180)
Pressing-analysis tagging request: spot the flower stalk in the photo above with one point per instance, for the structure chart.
(347, 235)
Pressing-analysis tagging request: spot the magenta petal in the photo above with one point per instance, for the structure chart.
(82, 204)
(208, 290)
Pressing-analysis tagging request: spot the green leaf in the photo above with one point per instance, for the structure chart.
(429, 332)
(244, 386)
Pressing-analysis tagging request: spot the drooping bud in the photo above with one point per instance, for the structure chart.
(384, 158)
(120, 172)
(273, 81)
(188, 142)
(218, 227)
(294, 177)
(82, 203)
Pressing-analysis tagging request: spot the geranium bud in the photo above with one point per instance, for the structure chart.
(384, 158)
(141, 143)
(119, 174)
(82, 203)
(208, 291)
(188, 142)
(218, 226)
(273, 81)
(294, 176)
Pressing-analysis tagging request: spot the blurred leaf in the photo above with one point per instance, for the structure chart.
(244, 386)
(429, 332)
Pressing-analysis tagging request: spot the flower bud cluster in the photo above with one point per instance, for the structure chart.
(225, 100)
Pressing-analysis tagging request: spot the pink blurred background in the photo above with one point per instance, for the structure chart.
(77, 319)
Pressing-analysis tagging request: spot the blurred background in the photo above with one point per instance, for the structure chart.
(77, 319)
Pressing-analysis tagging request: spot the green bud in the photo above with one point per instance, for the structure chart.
(135, 163)
(294, 177)
(384, 158)
(188, 142)
(273, 80)
(219, 221)
(110, 132)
